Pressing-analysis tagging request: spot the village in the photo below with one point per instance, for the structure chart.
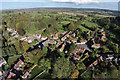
(80, 53)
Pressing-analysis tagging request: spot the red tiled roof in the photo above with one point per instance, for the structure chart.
(74, 52)
(101, 58)
(52, 34)
(44, 37)
(77, 56)
(93, 39)
(83, 40)
(96, 62)
(102, 39)
(18, 63)
(11, 75)
(98, 45)
(74, 39)
(60, 42)
(103, 32)
(63, 46)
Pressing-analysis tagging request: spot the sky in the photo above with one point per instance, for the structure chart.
(76, 1)
(55, 3)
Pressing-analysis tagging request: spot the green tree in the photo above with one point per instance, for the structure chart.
(44, 49)
(63, 68)
(25, 45)
(34, 56)
(81, 66)
(71, 26)
(72, 47)
(45, 63)
(21, 31)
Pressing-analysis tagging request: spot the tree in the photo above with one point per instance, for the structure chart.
(81, 66)
(62, 68)
(107, 27)
(34, 56)
(72, 47)
(21, 31)
(75, 74)
(44, 49)
(71, 26)
(117, 49)
(25, 46)
(45, 63)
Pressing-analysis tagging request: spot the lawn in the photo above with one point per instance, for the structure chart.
(45, 75)
(12, 59)
(90, 24)
(65, 22)
(83, 28)
(35, 71)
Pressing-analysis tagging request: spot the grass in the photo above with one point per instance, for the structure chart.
(45, 75)
(65, 22)
(12, 59)
(83, 28)
(73, 20)
(35, 71)
(90, 24)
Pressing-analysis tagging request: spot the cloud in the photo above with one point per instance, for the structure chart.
(74, 1)
(77, 1)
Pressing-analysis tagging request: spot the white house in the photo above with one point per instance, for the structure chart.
(2, 62)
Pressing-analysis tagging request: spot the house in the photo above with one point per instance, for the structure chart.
(101, 58)
(93, 64)
(110, 57)
(51, 42)
(58, 43)
(38, 36)
(30, 39)
(80, 49)
(84, 47)
(58, 33)
(11, 75)
(55, 37)
(86, 54)
(83, 41)
(65, 36)
(102, 39)
(73, 34)
(23, 38)
(2, 62)
(62, 48)
(52, 35)
(77, 57)
(17, 35)
(74, 52)
(102, 30)
(9, 29)
(18, 65)
(103, 33)
(96, 46)
(26, 75)
(12, 33)
(43, 37)
(96, 62)
(74, 40)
